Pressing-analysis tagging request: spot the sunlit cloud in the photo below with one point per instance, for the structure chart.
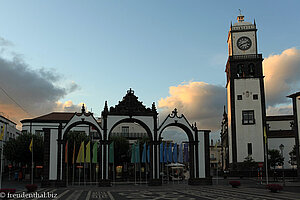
(200, 102)
(282, 74)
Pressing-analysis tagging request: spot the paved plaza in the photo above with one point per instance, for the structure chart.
(169, 191)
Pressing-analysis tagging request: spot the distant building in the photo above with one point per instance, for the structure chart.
(10, 129)
(215, 157)
(10, 132)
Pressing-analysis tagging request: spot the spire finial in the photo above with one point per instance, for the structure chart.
(83, 108)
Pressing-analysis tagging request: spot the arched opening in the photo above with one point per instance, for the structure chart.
(129, 151)
(81, 153)
(176, 154)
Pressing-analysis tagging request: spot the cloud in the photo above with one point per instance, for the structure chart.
(282, 74)
(36, 91)
(280, 110)
(200, 102)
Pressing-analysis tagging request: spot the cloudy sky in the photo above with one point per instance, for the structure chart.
(55, 55)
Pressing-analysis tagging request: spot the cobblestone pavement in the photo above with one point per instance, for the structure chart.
(165, 192)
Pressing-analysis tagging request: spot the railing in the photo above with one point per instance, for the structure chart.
(249, 56)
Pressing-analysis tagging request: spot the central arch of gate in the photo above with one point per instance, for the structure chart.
(132, 110)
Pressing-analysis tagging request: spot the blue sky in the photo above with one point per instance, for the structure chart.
(106, 47)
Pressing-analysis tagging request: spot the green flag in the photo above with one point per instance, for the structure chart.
(111, 153)
(133, 153)
(95, 152)
(88, 152)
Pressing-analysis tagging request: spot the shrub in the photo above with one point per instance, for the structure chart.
(274, 187)
(31, 187)
(235, 184)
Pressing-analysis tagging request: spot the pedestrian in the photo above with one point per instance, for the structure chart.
(20, 175)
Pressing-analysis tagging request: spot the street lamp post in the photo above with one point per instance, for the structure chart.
(281, 147)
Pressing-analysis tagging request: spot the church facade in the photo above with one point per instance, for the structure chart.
(246, 130)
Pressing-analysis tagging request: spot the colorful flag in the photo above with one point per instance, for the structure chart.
(265, 135)
(175, 153)
(133, 153)
(80, 156)
(2, 133)
(186, 153)
(137, 151)
(170, 153)
(66, 152)
(161, 153)
(73, 158)
(148, 154)
(165, 154)
(31, 144)
(180, 159)
(144, 154)
(95, 152)
(111, 152)
(88, 152)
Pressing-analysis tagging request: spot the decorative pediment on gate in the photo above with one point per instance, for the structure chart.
(130, 105)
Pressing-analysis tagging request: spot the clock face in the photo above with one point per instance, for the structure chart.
(244, 43)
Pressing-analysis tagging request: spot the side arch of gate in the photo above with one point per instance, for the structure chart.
(77, 119)
(198, 148)
(173, 120)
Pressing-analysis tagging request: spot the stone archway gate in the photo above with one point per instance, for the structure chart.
(129, 110)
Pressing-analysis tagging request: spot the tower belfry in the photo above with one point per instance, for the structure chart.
(245, 94)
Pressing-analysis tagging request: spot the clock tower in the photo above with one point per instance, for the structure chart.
(245, 94)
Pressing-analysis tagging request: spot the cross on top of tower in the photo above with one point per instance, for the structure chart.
(240, 18)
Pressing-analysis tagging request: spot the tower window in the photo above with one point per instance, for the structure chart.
(248, 117)
(249, 149)
(240, 70)
(239, 97)
(251, 70)
(255, 96)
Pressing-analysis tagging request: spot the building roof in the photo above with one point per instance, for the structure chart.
(279, 117)
(52, 117)
(1, 116)
(294, 95)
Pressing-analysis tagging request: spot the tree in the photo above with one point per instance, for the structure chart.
(17, 150)
(121, 150)
(275, 158)
(293, 156)
(249, 163)
(77, 137)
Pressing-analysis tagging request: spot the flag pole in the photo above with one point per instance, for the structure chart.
(73, 160)
(135, 166)
(2, 138)
(266, 155)
(32, 162)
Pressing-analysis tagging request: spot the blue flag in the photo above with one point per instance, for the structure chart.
(165, 154)
(148, 154)
(137, 152)
(144, 154)
(186, 153)
(170, 153)
(175, 153)
(180, 159)
(161, 153)
(133, 153)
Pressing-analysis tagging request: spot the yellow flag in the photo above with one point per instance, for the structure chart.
(265, 135)
(80, 156)
(88, 152)
(30, 146)
(2, 133)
